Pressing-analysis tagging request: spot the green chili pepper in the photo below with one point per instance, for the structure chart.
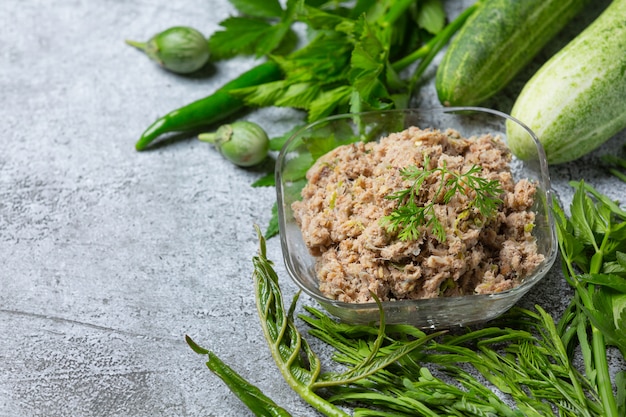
(249, 394)
(211, 109)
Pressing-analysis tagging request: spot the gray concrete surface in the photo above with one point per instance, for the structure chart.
(108, 257)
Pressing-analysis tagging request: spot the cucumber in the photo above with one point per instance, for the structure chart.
(495, 43)
(577, 100)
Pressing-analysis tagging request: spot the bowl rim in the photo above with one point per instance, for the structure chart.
(523, 287)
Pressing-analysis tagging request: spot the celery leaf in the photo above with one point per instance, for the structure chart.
(431, 16)
(256, 8)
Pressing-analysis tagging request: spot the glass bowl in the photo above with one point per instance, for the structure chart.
(307, 144)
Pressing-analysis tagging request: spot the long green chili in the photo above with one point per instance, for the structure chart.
(210, 109)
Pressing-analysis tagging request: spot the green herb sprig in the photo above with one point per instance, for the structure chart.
(393, 370)
(410, 218)
(593, 251)
(399, 370)
(521, 355)
(299, 365)
(355, 55)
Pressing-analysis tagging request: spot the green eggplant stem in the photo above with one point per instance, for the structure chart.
(208, 137)
(136, 44)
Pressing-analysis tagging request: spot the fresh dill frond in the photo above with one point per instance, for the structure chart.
(410, 217)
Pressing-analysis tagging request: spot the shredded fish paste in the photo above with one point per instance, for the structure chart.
(345, 198)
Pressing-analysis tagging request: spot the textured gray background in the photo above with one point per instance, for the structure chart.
(108, 257)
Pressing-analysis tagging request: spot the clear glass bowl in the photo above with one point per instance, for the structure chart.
(306, 145)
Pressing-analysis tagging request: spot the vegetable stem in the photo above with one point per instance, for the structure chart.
(597, 338)
(618, 174)
(603, 379)
(285, 342)
(137, 44)
(419, 53)
(428, 51)
(397, 10)
(207, 137)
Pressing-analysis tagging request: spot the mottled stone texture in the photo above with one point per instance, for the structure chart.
(108, 257)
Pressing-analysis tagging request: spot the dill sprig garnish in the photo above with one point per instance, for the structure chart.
(410, 217)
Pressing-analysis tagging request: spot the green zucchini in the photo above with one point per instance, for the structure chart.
(577, 100)
(495, 43)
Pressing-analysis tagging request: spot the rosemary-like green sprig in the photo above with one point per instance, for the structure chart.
(410, 217)
(391, 370)
(522, 356)
(297, 362)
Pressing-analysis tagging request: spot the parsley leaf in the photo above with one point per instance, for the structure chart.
(410, 218)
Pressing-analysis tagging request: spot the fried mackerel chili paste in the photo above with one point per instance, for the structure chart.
(347, 195)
